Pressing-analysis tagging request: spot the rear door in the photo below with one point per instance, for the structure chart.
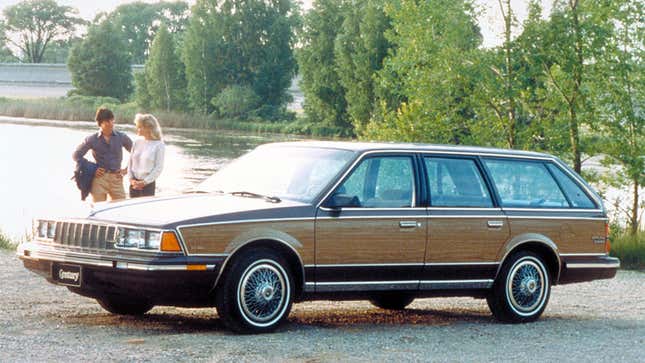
(466, 228)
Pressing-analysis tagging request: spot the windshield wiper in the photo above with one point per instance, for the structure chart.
(256, 195)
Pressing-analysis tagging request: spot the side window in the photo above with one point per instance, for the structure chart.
(381, 182)
(525, 184)
(456, 183)
(576, 195)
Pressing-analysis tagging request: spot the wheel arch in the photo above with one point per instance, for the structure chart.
(539, 244)
(286, 250)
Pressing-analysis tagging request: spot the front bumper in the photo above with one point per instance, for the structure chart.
(588, 268)
(176, 280)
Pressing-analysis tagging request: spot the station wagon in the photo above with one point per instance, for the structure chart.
(296, 221)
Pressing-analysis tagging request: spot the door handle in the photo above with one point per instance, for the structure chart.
(495, 224)
(409, 224)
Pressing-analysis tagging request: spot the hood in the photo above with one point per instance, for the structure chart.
(160, 211)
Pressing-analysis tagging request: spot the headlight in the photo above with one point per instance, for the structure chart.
(45, 229)
(42, 229)
(138, 238)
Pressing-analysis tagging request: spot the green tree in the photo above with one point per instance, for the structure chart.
(325, 101)
(428, 73)
(138, 22)
(164, 74)
(621, 96)
(575, 36)
(204, 55)
(240, 42)
(359, 50)
(32, 25)
(6, 55)
(100, 65)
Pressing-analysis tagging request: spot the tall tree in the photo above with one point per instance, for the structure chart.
(32, 25)
(6, 55)
(575, 37)
(325, 101)
(138, 22)
(360, 48)
(240, 42)
(621, 97)
(429, 71)
(164, 74)
(100, 65)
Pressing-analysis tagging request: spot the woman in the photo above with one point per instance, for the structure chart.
(146, 158)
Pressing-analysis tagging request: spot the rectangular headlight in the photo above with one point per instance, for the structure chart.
(153, 240)
(138, 238)
(42, 229)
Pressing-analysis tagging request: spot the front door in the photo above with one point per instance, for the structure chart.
(374, 236)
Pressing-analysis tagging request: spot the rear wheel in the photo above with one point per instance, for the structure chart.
(392, 301)
(521, 291)
(124, 305)
(256, 293)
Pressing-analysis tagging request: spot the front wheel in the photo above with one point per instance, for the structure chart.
(521, 291)
(256, 294)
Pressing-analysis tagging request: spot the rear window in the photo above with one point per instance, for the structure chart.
(525, 184)
(577, 197)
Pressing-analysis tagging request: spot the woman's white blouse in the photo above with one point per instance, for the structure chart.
(146, 160)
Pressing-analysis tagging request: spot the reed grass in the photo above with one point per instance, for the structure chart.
(630, 249)
(83, 108)
(6, 243)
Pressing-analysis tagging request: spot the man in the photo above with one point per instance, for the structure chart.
(106, 146)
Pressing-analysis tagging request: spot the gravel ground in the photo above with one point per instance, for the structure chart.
(597, 321)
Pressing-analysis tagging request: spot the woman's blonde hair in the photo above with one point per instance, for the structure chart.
(150, 122)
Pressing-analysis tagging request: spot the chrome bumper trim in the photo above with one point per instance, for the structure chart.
(609, 265)
(93, 260)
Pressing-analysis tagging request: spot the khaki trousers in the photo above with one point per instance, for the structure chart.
(108, 184)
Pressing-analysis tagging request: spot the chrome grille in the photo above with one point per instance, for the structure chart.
(85, 235)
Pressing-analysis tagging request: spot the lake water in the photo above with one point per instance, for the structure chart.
(36, 166)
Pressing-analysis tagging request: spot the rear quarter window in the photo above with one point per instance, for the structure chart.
(577, 196)
(525, 184)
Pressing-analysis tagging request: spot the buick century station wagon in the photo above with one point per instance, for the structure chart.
(297, 221)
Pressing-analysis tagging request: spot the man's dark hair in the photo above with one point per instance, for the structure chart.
(103, 114)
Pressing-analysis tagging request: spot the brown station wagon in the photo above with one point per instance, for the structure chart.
(298, 221)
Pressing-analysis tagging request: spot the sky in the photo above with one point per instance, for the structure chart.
(490, 22)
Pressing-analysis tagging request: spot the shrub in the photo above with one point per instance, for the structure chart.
(6, 243)
(236, 101)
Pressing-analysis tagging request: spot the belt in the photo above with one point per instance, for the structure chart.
(113, 171)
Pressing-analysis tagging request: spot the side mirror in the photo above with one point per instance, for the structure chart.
(337, 201)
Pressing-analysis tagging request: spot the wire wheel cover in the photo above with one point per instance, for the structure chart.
(525, 286)
(262, 292)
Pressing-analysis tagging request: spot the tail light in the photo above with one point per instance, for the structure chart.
(607, 240)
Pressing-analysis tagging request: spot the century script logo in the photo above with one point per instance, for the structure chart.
(68, 275)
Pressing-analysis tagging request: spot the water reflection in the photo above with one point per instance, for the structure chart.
(36, 166)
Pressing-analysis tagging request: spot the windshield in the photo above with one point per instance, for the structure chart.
(288, 172)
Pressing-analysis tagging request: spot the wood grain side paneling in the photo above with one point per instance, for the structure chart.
(570, 235)
(370, 241)
(464, 240)
(224, 238)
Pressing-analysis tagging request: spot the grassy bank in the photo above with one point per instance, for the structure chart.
(80, 108)
(630, 249)
(6, 243)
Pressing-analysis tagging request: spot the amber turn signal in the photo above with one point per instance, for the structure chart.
(169, 242)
